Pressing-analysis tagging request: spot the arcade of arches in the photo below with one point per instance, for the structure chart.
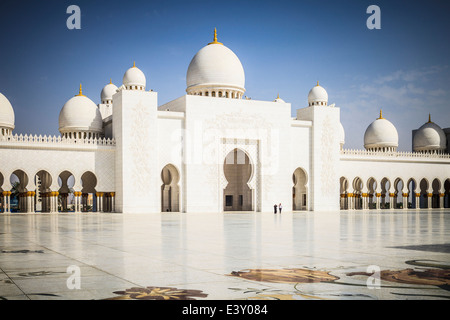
(394, 194)
(42, 198)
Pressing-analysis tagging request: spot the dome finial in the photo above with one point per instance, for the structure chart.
(110, 81)
(381, 114)
(429, 118)
(80, 94)
(215, 38)
(278, 96)
(134, 64)
(317, 83)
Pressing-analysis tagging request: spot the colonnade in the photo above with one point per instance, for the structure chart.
(54, 202)
(365, 201)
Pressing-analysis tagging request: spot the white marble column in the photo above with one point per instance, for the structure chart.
(430, 199)
(405, 200)
(377, 204)
(113, 202)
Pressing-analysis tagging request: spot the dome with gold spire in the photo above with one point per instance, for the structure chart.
(107, 92)
(134, 79)
(317, 96)
(215, 71)
(80, 118)
(381, 135)
(429, 138)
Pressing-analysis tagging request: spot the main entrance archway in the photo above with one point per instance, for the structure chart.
(238, 170)
(170, 191)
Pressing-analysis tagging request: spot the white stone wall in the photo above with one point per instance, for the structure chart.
(300, 152)
(324, 154)
(136, 166)
(170, 148)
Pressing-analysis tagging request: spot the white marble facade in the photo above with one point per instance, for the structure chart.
(128, 154)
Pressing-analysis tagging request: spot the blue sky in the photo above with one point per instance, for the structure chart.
(284, 46)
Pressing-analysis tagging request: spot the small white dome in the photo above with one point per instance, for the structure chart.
(6, 113)
(429, 137)
(381, 134)
(215, 66)
(341, 134)
(80, 114)
(108, 91)
(317, 96)
(134, 77)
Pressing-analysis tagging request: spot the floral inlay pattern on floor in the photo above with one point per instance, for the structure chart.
(158, 293)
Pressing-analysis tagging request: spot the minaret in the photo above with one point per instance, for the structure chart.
(135, 130)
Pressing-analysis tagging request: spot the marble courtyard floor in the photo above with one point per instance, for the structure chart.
(302, 255)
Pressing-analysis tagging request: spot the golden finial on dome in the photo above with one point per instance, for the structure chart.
(215, 38)
(317, 83)
(429, 118)
(134, 64)
(80, 94)
(278, 96)
(381, 114)
(110, 81)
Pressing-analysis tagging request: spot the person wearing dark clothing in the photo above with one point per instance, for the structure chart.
(275, 209)
(280, 207)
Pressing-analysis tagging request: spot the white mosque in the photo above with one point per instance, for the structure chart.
(214, 150)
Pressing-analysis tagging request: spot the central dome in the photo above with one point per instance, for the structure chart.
(215, 71)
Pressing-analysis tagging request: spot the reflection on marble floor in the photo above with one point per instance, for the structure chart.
(347, 255)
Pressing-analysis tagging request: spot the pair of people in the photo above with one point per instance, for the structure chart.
(275, 207)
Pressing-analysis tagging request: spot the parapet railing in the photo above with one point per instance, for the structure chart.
(396, 154)
(55, 140)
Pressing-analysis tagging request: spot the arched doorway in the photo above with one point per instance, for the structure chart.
(18, 198)
(88, 192)
(238, 170)
(299, 190)
(170, 191)
(343, 182)
(398, 198)
(371, 188)
(436, 186)
(357, 193)
(424, 193)
(385, 194)
(44, 197)
(66, 181)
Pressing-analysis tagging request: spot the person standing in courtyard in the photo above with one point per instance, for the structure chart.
(280, 207)
(275, 208)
